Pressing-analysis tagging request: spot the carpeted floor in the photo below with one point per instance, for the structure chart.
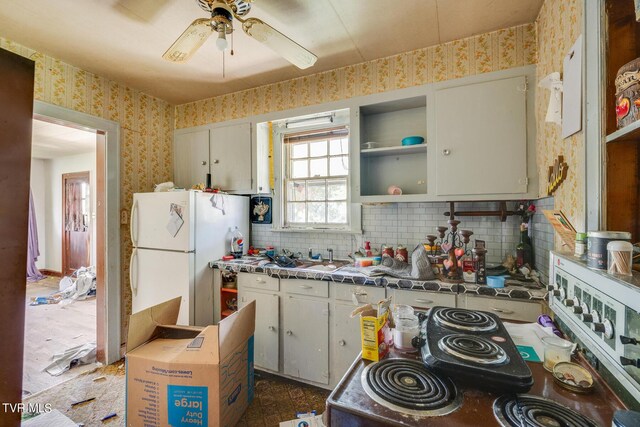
(276, 399)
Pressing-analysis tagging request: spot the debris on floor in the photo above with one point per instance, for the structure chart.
(74, 356)
(69, 290)
(48, 419)
(306, 421)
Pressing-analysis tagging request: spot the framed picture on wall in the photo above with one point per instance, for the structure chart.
(260, 210)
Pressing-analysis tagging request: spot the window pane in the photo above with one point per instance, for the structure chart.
(318, 148)
(316, 212)
(296, 191)
(337, 189)
(339, 146)
(339, 165)
(296, 212)
(299, 150)
(316, 190)
(318, 167)
(299, 169)
(337, 212)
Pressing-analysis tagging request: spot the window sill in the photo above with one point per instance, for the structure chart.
(315, 230)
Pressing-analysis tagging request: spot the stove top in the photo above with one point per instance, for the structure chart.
(409, 387)
(475, 347)
(527, 410)
(464, 320)
(352, 404)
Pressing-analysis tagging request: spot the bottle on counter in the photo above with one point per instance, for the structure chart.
(237, 243)
(524, 250)
(581, 246)
(481, 269)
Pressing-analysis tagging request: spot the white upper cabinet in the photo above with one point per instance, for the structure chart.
(225, 151)
(482, 138)
(190, 157)
(230, 157)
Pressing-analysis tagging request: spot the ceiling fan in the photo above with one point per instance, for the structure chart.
(222, 14)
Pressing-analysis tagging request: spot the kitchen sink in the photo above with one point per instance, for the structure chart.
(320, 265)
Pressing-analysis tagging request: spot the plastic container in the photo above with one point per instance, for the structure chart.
(495, 281)
(412, 140)
(367, 261)
(581, 246)
(237, 243)
(556, 350)
(406, 328)
(270, 251)
(597, 246)
(619, 258)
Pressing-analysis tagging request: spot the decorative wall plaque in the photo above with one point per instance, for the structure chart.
(557, 174)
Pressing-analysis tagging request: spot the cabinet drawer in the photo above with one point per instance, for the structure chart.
(363, 294)
(258, 281)
(422, 299)
(505, 308)
(315, 288)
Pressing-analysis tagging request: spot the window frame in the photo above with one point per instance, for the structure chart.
(287, 176)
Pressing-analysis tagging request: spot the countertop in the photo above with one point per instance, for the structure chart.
(513, 289)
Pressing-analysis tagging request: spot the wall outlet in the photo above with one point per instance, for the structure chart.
(124, 216)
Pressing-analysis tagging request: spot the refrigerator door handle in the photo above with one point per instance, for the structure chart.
(133, 283)
(132, 222)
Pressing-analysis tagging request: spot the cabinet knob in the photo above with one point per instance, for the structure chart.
(446, 152)
(289, 333)
(272, 328)
(204, 163)
(501, 310)
(215, 161)
(342, 343)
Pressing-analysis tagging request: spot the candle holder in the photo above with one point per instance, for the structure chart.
(453, 243)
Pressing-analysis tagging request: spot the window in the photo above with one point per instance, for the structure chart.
(316, 178)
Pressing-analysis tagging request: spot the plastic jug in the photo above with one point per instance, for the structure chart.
(237, 243)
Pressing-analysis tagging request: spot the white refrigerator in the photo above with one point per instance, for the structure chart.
(175, 235)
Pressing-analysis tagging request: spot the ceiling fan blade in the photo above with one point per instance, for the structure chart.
(189, 41)
(278, 42)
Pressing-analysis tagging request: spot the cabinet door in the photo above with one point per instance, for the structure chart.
(481, 138)
(306, 339)
(265, 338)
(190, 158)
(345, 340)
(231, 157)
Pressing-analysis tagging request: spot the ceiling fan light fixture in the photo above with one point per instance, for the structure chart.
(221, 42)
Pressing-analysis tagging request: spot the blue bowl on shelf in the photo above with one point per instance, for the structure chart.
(412, 140)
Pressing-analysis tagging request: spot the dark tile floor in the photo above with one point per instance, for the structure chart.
(278, 399)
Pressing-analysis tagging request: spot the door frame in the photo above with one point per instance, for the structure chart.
(108, 213)
(65, 176)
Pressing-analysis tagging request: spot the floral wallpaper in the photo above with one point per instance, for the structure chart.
(146, 144)
(498, 50)
(558, 26)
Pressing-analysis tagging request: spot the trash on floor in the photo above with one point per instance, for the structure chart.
(69, 290)
(78, 355)
(312, 421)
(48, 419)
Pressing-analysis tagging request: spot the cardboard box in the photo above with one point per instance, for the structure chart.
(186, 375)
(375, 330)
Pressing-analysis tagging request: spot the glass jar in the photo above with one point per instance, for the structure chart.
(619, 258)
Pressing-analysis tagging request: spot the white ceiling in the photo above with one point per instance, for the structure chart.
(119, 39)
(50, 141)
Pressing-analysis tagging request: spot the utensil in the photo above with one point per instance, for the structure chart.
(412, 140)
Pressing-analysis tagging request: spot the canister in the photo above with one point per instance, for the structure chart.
(597, 246)
(628, 93)
(402, 254)
(387, 251)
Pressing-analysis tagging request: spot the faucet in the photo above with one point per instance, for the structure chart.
(310, 253)
(330, 254)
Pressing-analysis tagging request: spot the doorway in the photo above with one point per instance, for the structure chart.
(76, 221)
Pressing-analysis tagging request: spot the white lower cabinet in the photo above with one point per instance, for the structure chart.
(422, 299)
(266, 336)
(345, 340)
(505, 308)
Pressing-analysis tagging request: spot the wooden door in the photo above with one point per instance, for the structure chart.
(266, 344)
(16, 112)
(76, 221)
(306, 339)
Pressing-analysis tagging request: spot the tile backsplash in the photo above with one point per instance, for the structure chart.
(408, 224)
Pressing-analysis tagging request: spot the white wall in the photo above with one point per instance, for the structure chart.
(39, 189)
(54, 169)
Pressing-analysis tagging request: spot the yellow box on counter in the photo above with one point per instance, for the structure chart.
(375, 330)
